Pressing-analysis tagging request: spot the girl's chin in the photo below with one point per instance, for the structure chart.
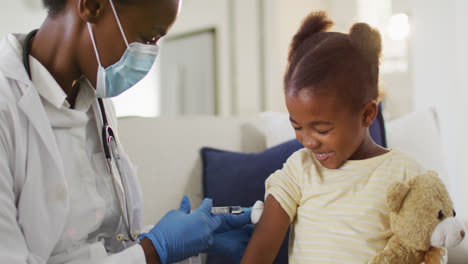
(331, 164)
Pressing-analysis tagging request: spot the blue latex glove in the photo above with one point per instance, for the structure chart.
(233, 221)
(232, 237)
(181, 234)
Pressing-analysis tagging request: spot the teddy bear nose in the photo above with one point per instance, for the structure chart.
(462, 233)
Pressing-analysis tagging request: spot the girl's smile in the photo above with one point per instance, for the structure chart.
(322, 157)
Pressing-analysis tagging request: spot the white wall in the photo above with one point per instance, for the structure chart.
(240, 55)
(247, 73)
(461, 98)
(439, 69)
(19, 17)
(202, 14)
(238, 49)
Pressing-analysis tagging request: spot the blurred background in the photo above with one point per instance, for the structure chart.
(227, 58)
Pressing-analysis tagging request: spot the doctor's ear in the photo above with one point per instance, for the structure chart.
(90, 10)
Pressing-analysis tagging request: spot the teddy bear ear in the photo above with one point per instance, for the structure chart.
(431, 172)
(396, 194)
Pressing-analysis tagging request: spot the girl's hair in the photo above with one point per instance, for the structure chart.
(345, 65)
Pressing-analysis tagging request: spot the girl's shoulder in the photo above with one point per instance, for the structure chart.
(302, 161)
(402, 160)
(399, 155)
(301, 156)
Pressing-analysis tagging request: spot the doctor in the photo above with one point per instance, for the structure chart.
(68, 192)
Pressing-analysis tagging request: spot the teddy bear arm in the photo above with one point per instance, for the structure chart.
(393, 253)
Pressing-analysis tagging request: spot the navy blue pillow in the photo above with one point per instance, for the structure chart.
(233, 178)
(377, 129)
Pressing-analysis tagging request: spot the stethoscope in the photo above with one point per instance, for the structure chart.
(110, 147)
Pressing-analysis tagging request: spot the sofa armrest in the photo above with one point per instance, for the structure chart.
(459, 254)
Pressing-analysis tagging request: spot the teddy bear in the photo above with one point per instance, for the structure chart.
(422, 220)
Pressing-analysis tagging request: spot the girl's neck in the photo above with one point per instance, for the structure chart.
(368, 149)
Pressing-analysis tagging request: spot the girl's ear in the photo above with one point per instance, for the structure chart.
(369, 112)
(90, 10)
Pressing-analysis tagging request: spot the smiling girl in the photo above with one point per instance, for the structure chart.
(333, 190)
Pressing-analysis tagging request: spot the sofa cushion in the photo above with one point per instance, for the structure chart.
(232, 178)
(377, 129)
(417, 133)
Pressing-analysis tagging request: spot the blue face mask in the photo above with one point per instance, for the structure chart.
(130, 69)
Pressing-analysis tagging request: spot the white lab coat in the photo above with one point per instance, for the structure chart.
(34, 197)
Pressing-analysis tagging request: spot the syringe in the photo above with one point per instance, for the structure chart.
(229, 210)
(256, 210)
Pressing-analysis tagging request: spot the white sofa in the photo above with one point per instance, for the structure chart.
(166, 152)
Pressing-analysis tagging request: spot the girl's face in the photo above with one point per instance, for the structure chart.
(325, 126)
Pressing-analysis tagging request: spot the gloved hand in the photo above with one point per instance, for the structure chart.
(181, 234)
(232, 237)
(232, 221)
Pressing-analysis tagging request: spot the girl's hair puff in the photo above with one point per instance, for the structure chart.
(313, 23)
(346, 65)
(367, 41)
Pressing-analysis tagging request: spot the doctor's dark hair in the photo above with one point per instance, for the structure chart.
(56, 6)
(344, 65)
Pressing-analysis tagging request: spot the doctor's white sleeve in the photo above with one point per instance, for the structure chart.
(131, 255)
(13, 248)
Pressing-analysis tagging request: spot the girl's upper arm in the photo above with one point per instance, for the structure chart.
(268, 235)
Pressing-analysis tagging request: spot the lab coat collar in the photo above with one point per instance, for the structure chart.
(46, 85)
(31, 105)
(12, 49)
(29, 102)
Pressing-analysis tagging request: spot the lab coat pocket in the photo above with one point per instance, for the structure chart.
(104, 183)
(133, 187)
